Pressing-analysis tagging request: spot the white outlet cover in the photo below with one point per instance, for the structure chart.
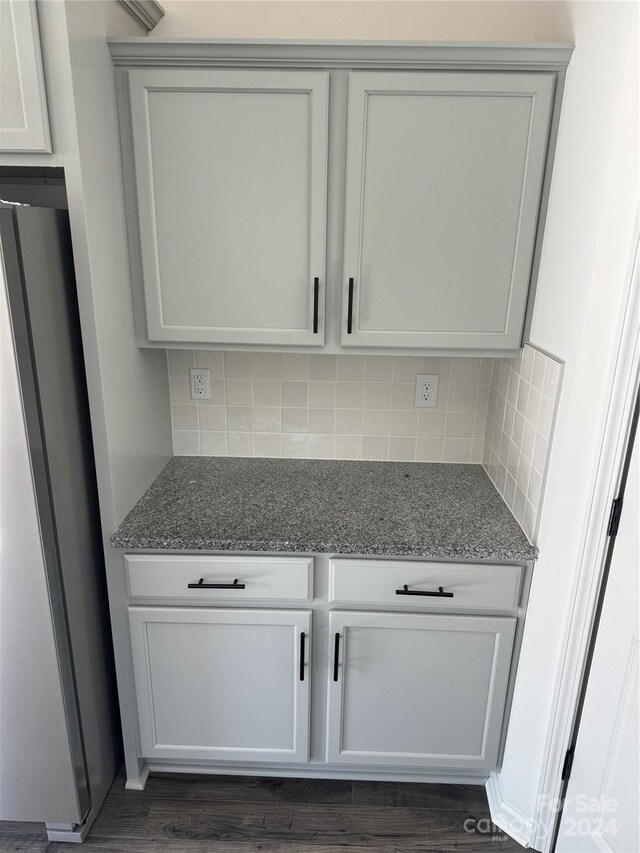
(426, 390)
(200, 383)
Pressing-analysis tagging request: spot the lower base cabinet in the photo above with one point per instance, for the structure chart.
(417, 689)
(225, 685)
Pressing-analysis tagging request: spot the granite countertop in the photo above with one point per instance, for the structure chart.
(315, 506)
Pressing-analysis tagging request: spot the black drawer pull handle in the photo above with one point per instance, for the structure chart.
(336, 657)
(316, 293)
(202, 585)
(439, 594)
(350, 308)
(303, 637)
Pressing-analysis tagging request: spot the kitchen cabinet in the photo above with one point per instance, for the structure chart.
(231, 182)
(408, 668)
(443, 187)
(229, 685)
(24, 119)
(417, 689)
(426, 167)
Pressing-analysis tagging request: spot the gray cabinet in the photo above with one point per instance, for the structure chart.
(229, 204)
(228, 685)
(415, 690)
(443, 188)
(433, 163)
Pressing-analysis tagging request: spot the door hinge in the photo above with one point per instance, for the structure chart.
(614, 517)
(568, 764)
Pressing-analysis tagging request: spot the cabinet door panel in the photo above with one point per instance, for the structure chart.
(443, 187)
(419, 690)
(231, 191)
(221, 684)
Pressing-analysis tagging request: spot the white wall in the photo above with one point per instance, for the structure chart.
(359, 19)
(582, 288)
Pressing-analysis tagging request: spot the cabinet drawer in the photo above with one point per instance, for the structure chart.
(467, 587)
(258, 578)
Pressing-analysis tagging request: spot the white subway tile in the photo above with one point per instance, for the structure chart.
(240, 443)
(267, 419)
(378, 368)
(321, 446)
(266, 392)
(184, 417)
(294, 420)
(403, 423)
(348, 422)
(239, 392)
(377, 395)
(294, 445)
(456, 450)
(351, 368)
(266, 365)
(429, 449)
(180, 361)
(349, 395)
(239, 418)
(322, 421)
(212, 418)
(237, 365)
(348, 447)
(322, 395)
(295, 394)
(375, 447)
(402, 449)
(294, 366)
(267, 444)
(213, 443)
(322, 367)
(186, 443)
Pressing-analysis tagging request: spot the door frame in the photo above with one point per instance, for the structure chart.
(576, 646)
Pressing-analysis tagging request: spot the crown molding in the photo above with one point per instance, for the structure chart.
(146, 12)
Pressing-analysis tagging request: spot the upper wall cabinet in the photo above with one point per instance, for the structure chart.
(24, 122)
(336, 196)
(231, 178)
(444, 178)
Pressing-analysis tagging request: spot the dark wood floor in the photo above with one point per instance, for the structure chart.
(233, 814)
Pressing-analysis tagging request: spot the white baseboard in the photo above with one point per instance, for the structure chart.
(505, 815)
(138, 783)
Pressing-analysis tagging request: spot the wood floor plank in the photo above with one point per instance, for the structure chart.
(200, 786)
(302, 824)
(122, 816)
(420, 795)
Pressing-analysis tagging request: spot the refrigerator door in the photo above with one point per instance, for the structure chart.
(38, 720)
(41, 290)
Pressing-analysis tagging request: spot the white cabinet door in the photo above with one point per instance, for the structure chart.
(24, 120)
(227, 685)
(230, 176)
(444, 179)
(417, 690)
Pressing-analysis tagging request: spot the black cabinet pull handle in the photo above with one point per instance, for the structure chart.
(303, 637)
(439, 594)
(336, 657)
(202, 585)
(316, 293)
(350, 308)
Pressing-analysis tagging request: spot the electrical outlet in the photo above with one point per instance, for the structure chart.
(200, 383)
(426, 391)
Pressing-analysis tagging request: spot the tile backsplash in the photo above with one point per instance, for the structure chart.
(328, 406)
(522, 406)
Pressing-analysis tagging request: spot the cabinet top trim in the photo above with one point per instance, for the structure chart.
(338, 54)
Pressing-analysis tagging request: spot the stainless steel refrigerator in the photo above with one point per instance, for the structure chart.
(59, 734)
